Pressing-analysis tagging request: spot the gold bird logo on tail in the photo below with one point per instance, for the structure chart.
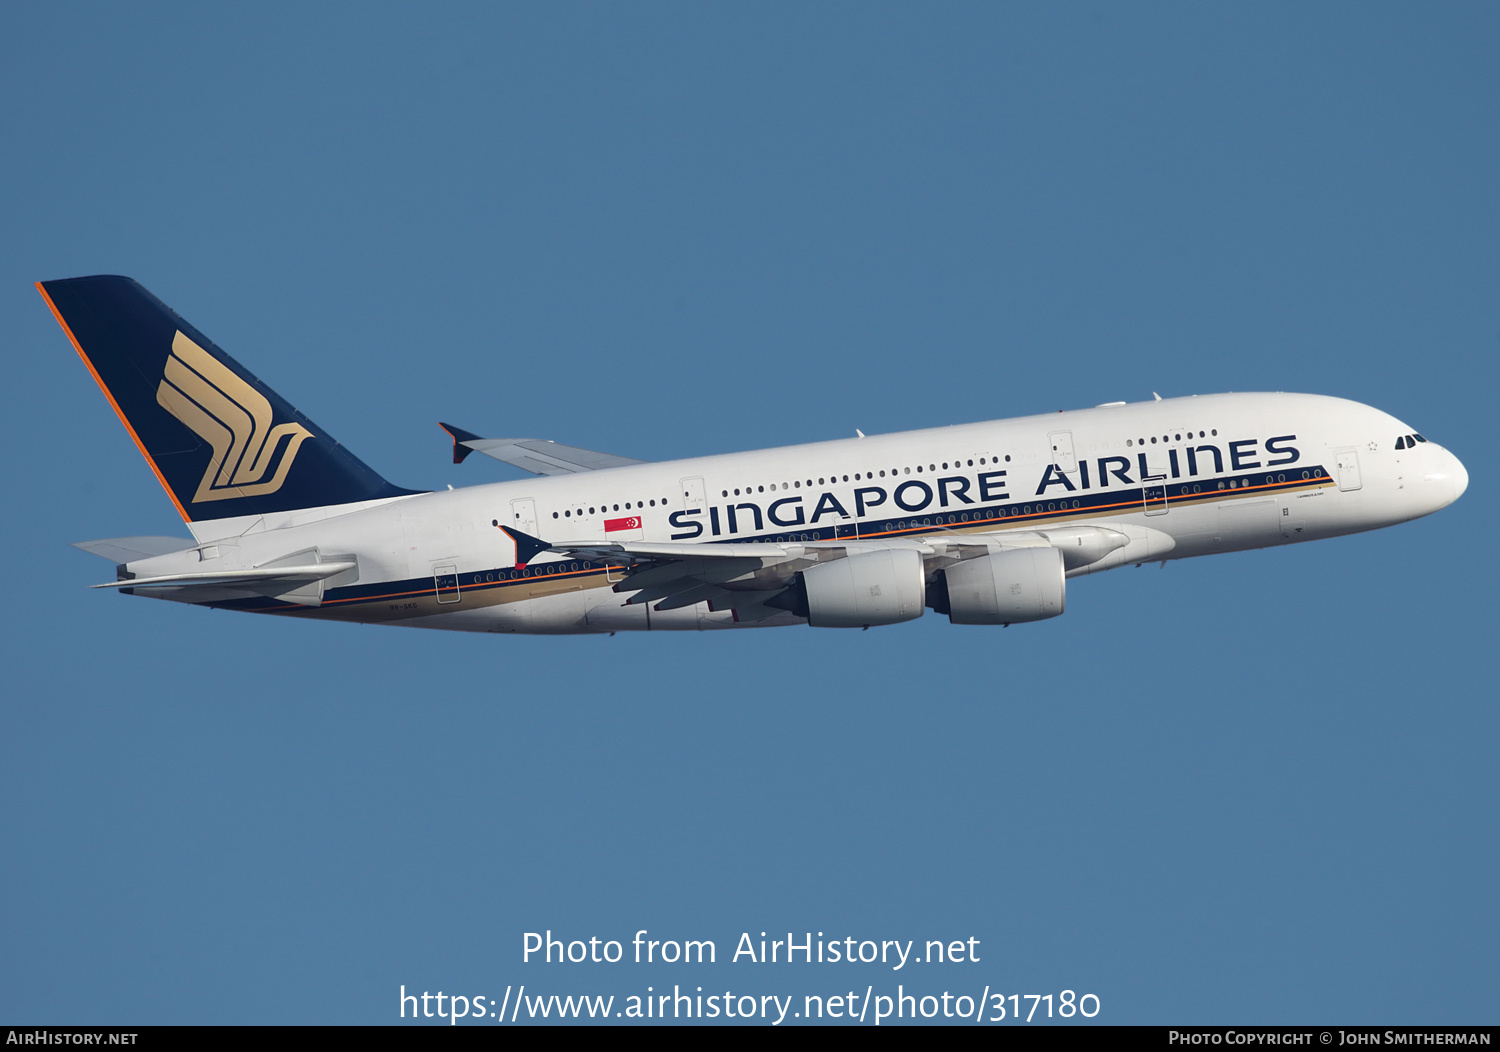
(233, 418)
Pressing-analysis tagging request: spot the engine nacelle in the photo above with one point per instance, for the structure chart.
(1019, 584)
(870, 588)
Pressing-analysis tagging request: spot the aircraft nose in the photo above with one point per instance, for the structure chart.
(1460, 477)
(1450, 474)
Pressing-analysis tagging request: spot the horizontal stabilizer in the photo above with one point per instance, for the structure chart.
(536, 455)
(301, 583)
(235, 578)
(129, 549)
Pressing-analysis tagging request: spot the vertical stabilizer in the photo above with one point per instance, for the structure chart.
(221, 443)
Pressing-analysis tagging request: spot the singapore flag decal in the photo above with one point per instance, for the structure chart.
(631, 523)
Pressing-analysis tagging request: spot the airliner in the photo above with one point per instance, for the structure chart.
(982, 523)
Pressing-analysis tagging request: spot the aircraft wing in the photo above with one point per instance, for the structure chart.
(745, 578)
(756, 580)
(536, 455)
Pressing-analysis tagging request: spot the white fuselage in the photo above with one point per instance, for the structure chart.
(1179, 477)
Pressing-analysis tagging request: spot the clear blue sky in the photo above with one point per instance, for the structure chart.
(1253, 788)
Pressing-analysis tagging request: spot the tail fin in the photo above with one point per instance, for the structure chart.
(221, 442)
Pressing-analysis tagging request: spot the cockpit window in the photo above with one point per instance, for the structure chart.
(1401, 442)
(1419, 438)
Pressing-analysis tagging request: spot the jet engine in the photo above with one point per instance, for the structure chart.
(1017, 584)
(868, 588)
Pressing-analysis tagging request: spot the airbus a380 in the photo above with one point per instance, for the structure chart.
(983, 523)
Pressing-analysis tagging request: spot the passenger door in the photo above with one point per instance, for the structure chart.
(1063, 457)
(1154, 490)
(523, 515)
(1348, 469)
(445, 582)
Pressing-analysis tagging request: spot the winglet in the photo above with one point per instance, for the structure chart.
(459, 436)
(527, 546)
